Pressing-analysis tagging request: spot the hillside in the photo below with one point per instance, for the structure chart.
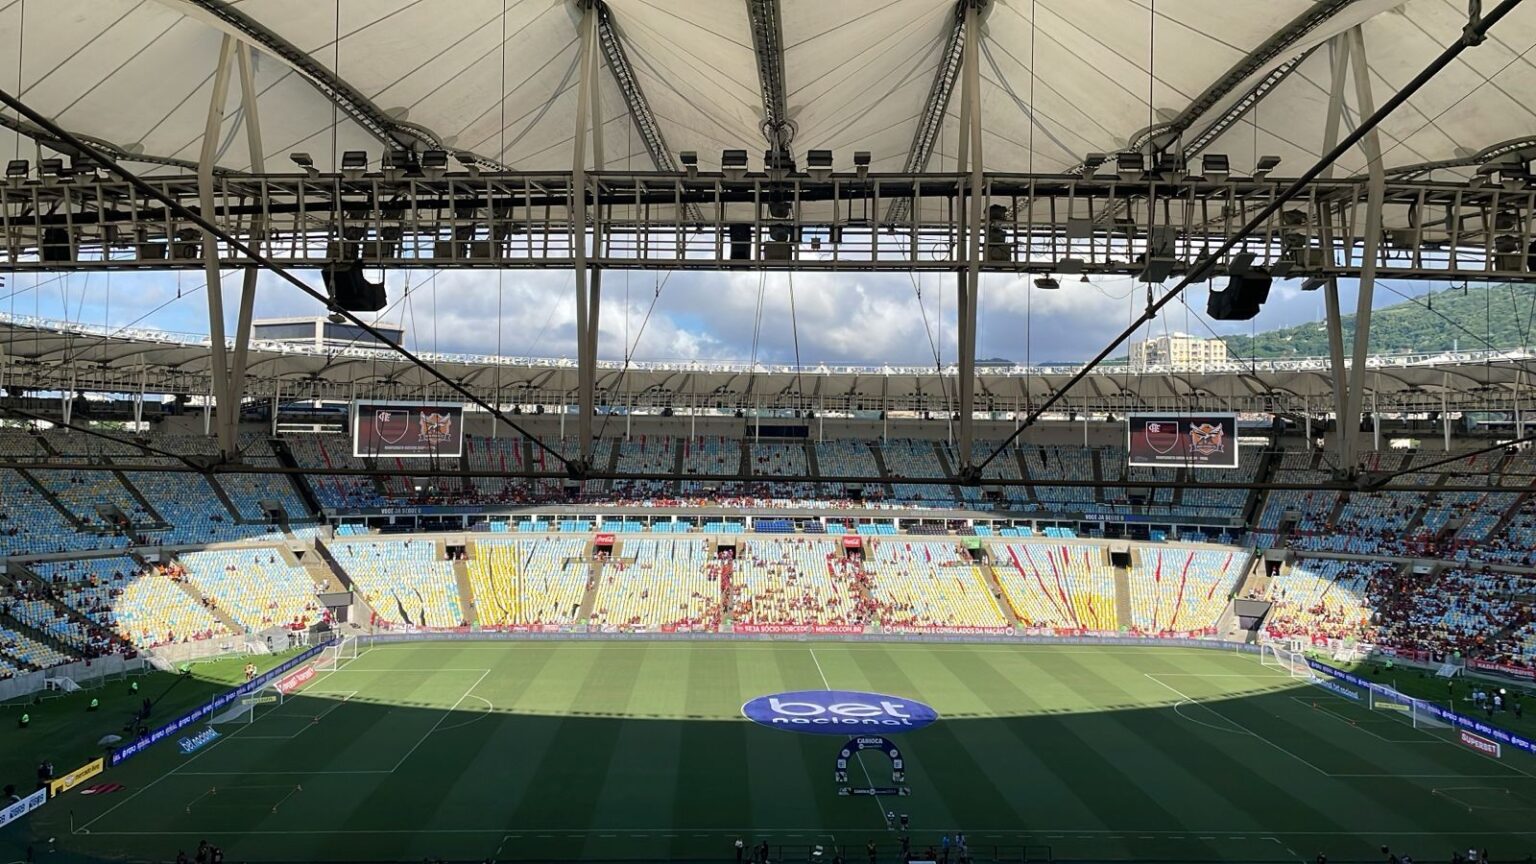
(1456, 319)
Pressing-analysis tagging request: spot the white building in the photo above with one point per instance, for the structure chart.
(1179, 350)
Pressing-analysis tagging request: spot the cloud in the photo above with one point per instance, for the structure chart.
(856, 318)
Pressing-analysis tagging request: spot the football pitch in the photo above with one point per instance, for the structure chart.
(638, 750)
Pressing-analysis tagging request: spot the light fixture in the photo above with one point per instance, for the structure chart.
(354, 163)
(1313, 283)
(1266, 165)
(1091, 163)
(861, 162)
(733, 163)
(1130, 164)
(16, 170)
(52, 169)
(819, 163)
(305, 162)
(469, 161)
(1047, 283)
(690, 162)
(1216, 167)
(434, 163)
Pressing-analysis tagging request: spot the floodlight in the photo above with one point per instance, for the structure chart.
(733, 163)
(1215, 166)
(861, 162)
(16, 169)
(819, 163)
(49, 169)
(434, 163)
(1266, 165)
(470, 161)
(1313, 283)
(1092, 162)
(305, 162)
(690, 162)
(1131, 163)
(354, 163)
(1047, 283)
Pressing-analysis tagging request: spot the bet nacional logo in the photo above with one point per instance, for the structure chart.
(838, 712)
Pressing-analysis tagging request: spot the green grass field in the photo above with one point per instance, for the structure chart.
(637, 750)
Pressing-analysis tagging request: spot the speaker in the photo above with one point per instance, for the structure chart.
(1245, 293)
(741, 241)
(351, 291)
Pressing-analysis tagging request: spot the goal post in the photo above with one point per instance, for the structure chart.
(1412, 711)
(336, 654)
(1285, 659)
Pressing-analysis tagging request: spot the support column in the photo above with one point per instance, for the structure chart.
(234, 388)
(1376, 188)
(970, 279)
(587, 280)
(214, 290)
(1338, 57)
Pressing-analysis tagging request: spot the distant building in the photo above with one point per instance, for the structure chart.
(324, 334)
(1179, 350)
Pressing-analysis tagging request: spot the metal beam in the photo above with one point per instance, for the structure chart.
(214, 289)
(586, 367)
(1338, 57)
(1276, 46)
(646, 124)
(1375, 196)
(970, 279)
(930, 124)
(234, 390)
(362, 110)
(768, 44)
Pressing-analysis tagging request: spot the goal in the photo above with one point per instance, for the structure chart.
(336, 654)
(1287, 659)
(1406, 708)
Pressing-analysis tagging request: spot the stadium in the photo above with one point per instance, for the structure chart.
(1012, 430)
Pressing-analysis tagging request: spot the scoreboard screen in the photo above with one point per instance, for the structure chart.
(407, 430)
(1173, 440)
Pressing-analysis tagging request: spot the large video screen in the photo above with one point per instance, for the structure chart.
(407, 429)
(1173, 440)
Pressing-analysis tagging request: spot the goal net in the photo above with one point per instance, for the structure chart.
(1286, 659)
(1406, 708)
(332, 658)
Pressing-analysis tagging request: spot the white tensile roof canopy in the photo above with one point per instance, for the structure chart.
(499, 78)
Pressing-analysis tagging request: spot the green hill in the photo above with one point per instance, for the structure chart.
(1445, 319)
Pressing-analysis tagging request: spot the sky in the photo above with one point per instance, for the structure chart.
(837, 318)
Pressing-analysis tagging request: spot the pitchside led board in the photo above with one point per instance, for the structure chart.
(1188, 440)
(407, 430)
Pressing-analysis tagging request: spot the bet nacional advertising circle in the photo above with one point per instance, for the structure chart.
(838, 712)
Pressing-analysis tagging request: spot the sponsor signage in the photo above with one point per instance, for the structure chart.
(77, 776)
(294, 680)
(193, 743)
(800, 629)
(214, 705)
(1460, 722)
(407, 429)
(853, 541)
(1481, 744)
(1336, 687)
(838, 712)
(603, 540)
(12, 812)
(1194, 441)
(1512, 671)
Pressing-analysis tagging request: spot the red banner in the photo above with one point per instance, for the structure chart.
(1481, 744)
(295, 679)
(603, 539)
(1514, 671)
(801, 629)
(853, 541)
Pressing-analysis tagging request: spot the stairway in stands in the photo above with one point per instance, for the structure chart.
(1123, 617)
(1004, 605)
(213, 608)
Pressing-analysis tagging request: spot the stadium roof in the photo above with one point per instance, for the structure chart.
(1060, 78)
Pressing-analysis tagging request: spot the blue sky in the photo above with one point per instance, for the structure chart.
(861, 318)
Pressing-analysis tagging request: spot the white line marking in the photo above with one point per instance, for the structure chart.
(439, 722)
(712, 832)
(879, 808)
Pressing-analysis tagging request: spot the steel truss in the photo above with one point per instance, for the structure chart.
(645, 220)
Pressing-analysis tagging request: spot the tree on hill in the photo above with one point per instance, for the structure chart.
(1470, 319)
